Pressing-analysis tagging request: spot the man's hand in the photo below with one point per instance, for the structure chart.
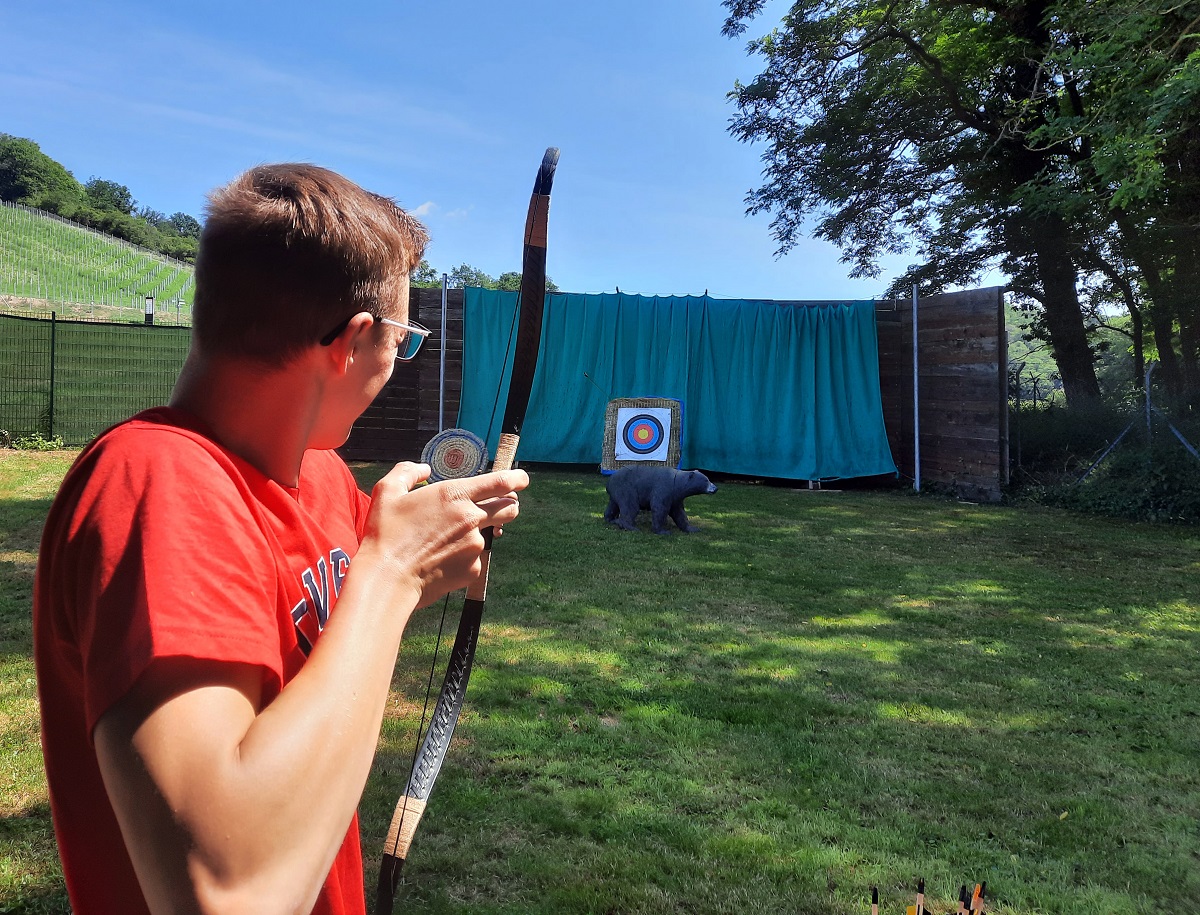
(432, 535)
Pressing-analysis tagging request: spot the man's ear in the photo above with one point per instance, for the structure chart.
(347, 345)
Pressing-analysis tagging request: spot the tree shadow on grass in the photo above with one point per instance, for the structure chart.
(835, 710)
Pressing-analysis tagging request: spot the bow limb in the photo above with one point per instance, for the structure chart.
(531, 302)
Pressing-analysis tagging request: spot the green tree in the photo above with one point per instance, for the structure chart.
(897, 125)
(155, 218)
(1127, 105)
(30, 177)
(108, 195)
(425, 277)
(511, 281)
(465, 275)
(185, 225)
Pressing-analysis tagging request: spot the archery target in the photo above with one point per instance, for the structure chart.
(643, 434)
(453, 454)
(642, 431)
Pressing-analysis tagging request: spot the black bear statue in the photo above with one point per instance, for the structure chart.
(659, 489)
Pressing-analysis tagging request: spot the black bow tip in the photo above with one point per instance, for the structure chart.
(545, 175)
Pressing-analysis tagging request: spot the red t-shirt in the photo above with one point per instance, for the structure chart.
(163, 544)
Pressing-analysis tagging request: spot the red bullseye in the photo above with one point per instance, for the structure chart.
(454, 453)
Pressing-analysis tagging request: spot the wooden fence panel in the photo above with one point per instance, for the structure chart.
(962, 377)
(405, 415)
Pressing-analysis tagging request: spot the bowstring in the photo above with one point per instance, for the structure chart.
(437, 650)
(509, 350)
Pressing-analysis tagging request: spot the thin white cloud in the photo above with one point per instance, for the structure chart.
(217, 86)
(316, 142)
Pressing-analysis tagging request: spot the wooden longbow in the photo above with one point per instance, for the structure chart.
(531, 302)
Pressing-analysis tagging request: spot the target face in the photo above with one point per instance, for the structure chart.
(453, 454)
(643, 434)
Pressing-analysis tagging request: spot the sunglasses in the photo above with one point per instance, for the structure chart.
(406, 349)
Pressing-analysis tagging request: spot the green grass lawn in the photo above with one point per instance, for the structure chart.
(817, 693)
(30, 877)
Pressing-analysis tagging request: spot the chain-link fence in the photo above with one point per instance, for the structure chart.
(73, 379)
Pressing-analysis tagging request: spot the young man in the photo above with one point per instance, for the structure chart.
(209, 716)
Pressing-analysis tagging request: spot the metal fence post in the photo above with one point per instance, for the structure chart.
(442, 364)
(53, 359)
(916, 397)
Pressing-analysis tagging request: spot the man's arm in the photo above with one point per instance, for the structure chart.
(229, 806)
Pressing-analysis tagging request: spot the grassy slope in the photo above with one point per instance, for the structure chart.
(50, 260)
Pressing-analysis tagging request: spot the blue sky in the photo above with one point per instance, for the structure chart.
(446, 106)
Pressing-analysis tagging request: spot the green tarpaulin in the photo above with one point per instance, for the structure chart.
(771, 389)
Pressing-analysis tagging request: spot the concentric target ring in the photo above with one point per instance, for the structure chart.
(643, 433)
(453, 454)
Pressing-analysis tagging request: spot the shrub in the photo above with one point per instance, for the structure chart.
(35, 442)
(1055, 441)
(1160, 483)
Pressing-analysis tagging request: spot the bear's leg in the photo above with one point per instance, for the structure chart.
(611, 512)
(679, 516)
(658, 516)
(628, 512)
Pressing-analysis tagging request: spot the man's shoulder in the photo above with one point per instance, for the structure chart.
(164, 426)
(149, 450)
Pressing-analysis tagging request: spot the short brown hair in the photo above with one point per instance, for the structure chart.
(289, 250)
